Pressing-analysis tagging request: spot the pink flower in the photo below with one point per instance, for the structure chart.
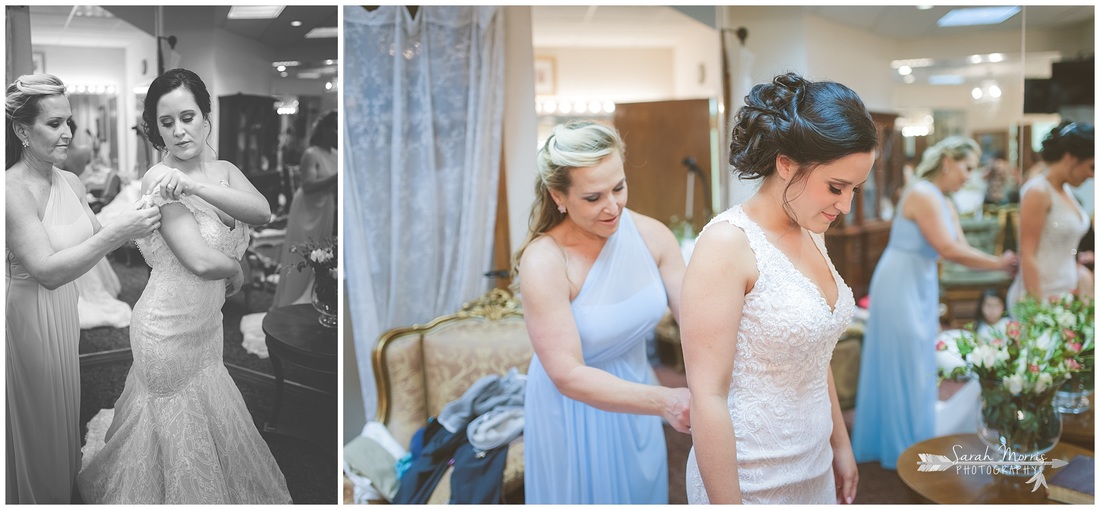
(1033, 368)
(1069, 334)
(997, 342)
(941, 346)
(1073, 347)
(1012, 329)
(1073, 364)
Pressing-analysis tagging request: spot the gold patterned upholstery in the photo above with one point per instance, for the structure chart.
(420, 369)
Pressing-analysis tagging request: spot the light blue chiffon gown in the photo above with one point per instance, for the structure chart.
(898, 382)
(573, 452)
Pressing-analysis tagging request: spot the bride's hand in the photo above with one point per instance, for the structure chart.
(845, 474)
(234, 283)
(174, 184)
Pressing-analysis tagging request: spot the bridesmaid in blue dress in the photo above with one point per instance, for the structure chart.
(595, 278)
(898, 382)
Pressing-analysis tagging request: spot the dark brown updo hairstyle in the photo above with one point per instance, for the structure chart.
(1073, 138)
(325, 132)
(813, 123)
(165, 83)
(21, 107)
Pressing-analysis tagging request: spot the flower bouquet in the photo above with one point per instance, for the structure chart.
(1021, 366)
(1074, 316)
(321, 258)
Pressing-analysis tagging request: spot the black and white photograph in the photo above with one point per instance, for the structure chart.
(733, 254)
(171, 208)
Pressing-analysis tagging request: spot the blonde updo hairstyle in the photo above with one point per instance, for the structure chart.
(21, 107)
(577, 144)
(955, 147)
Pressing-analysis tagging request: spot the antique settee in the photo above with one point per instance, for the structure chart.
(422, 368)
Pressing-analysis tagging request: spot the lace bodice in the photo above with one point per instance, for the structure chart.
(230, 241)
(779, 396)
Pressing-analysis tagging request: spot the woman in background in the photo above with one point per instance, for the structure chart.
(763, 306)
(595, 278)
(1052, 222)
(52, 239)
(181, 432)
(898, 379)
(312, 210)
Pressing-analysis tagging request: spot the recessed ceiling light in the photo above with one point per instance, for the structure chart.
(280, 68)
(295, 23)
(975, 59)
(996, 57)
(977, 16)
(923, 7)
(905, 70)
(255, 11)
(946, 79)
(286, 63)
(329, 62)
(321, 32)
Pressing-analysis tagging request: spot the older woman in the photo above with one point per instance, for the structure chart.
(52, 239)
(1052, 222)
(595, 279)
(898, 381)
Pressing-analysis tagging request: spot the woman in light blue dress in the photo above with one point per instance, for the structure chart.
(898, 381)
(595, 278)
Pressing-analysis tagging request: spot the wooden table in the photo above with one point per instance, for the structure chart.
(294, 336)
(1080, 429)
(957, 487)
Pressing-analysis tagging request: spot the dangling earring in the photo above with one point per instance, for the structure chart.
(561, 208)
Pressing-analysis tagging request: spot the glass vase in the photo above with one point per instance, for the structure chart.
(1019, 427)
(324, 300)
(1073, 396)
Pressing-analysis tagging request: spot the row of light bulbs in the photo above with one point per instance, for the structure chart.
(552, 107)
(90, 89)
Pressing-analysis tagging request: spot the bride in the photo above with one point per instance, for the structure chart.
(181, 432)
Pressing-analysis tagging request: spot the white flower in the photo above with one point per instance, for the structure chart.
(1014, 383)
(320, 256)
(984, 356)
(1064, 318)
(1044, 382)
(1045, 341)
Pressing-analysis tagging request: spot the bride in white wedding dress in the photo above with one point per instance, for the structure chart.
(181, 432)
(762, 305)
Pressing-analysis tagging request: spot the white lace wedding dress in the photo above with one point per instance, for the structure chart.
(779, 394)
(181, 432)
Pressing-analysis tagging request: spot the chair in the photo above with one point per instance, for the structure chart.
(422, 368)
(960, 287)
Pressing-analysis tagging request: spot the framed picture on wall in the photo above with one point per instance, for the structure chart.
(39, 60)
(546, 78)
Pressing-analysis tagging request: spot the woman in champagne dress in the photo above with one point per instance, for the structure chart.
(52, 238)
(181, 432)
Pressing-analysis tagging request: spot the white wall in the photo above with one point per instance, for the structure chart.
(616, 74)
(520, 130)
(830, 57)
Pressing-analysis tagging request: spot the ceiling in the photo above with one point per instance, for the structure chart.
(655, 26)
(121, 27)
(663, 27)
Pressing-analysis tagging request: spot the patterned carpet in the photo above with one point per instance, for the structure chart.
(311, 475)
